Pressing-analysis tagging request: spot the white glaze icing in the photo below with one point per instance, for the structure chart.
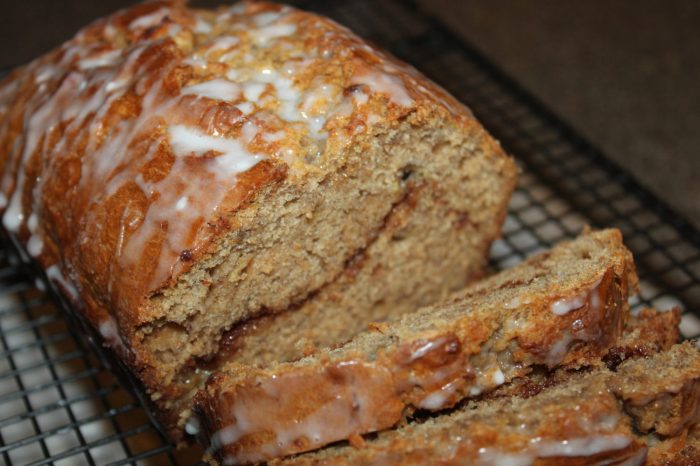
(181, 203)
(487, 378)
(249, 131)
(385, 83)
(338, 418)
(273, 137)
(577, 332)
(234, 157)
(440, 398)
(150, 20)
(46, 115)
(512, 304)
(558, 350)
(425, 348)
(53, 273)
(109, 58)
(563, 306)
(266, 34)
(196, 62)
(582, 446)
(39, 284)
(494, 457)
(498, 377)
(223, 43)
(201, 26)
(312, 427)
(109, 330)
(268, 17)
(192, 426)
(35, 245)
(217, 89)
(246, 108)
(638, 459)
(252, 90)
(33, 222)
(45, 73)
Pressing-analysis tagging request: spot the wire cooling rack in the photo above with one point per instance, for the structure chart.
(59, 404)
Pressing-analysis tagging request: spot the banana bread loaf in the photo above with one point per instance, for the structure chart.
(187, 177)
(580, 418)
(564, 306)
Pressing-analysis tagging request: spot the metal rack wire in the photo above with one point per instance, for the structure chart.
(59, 402)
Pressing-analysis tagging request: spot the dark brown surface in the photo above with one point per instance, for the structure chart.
(623, 73)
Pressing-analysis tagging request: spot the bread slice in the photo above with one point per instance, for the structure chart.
(646, 333)
(187, 176)
(662, 397)
(584, 417)
(565, 306)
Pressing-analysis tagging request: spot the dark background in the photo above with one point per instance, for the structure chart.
(626, 74)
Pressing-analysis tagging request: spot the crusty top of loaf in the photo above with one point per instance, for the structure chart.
(127, 150)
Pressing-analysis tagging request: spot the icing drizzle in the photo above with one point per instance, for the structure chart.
(77, 87)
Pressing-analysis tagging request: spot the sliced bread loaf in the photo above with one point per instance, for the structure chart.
(565, 306)
(181, 173)
(584, 417)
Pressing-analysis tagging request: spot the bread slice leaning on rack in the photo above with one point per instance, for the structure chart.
(644, 411)
(565, 306)
(195, 180)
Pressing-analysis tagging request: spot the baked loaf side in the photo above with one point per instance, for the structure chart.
(580, 418)
(566, 306)
(181, 173)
